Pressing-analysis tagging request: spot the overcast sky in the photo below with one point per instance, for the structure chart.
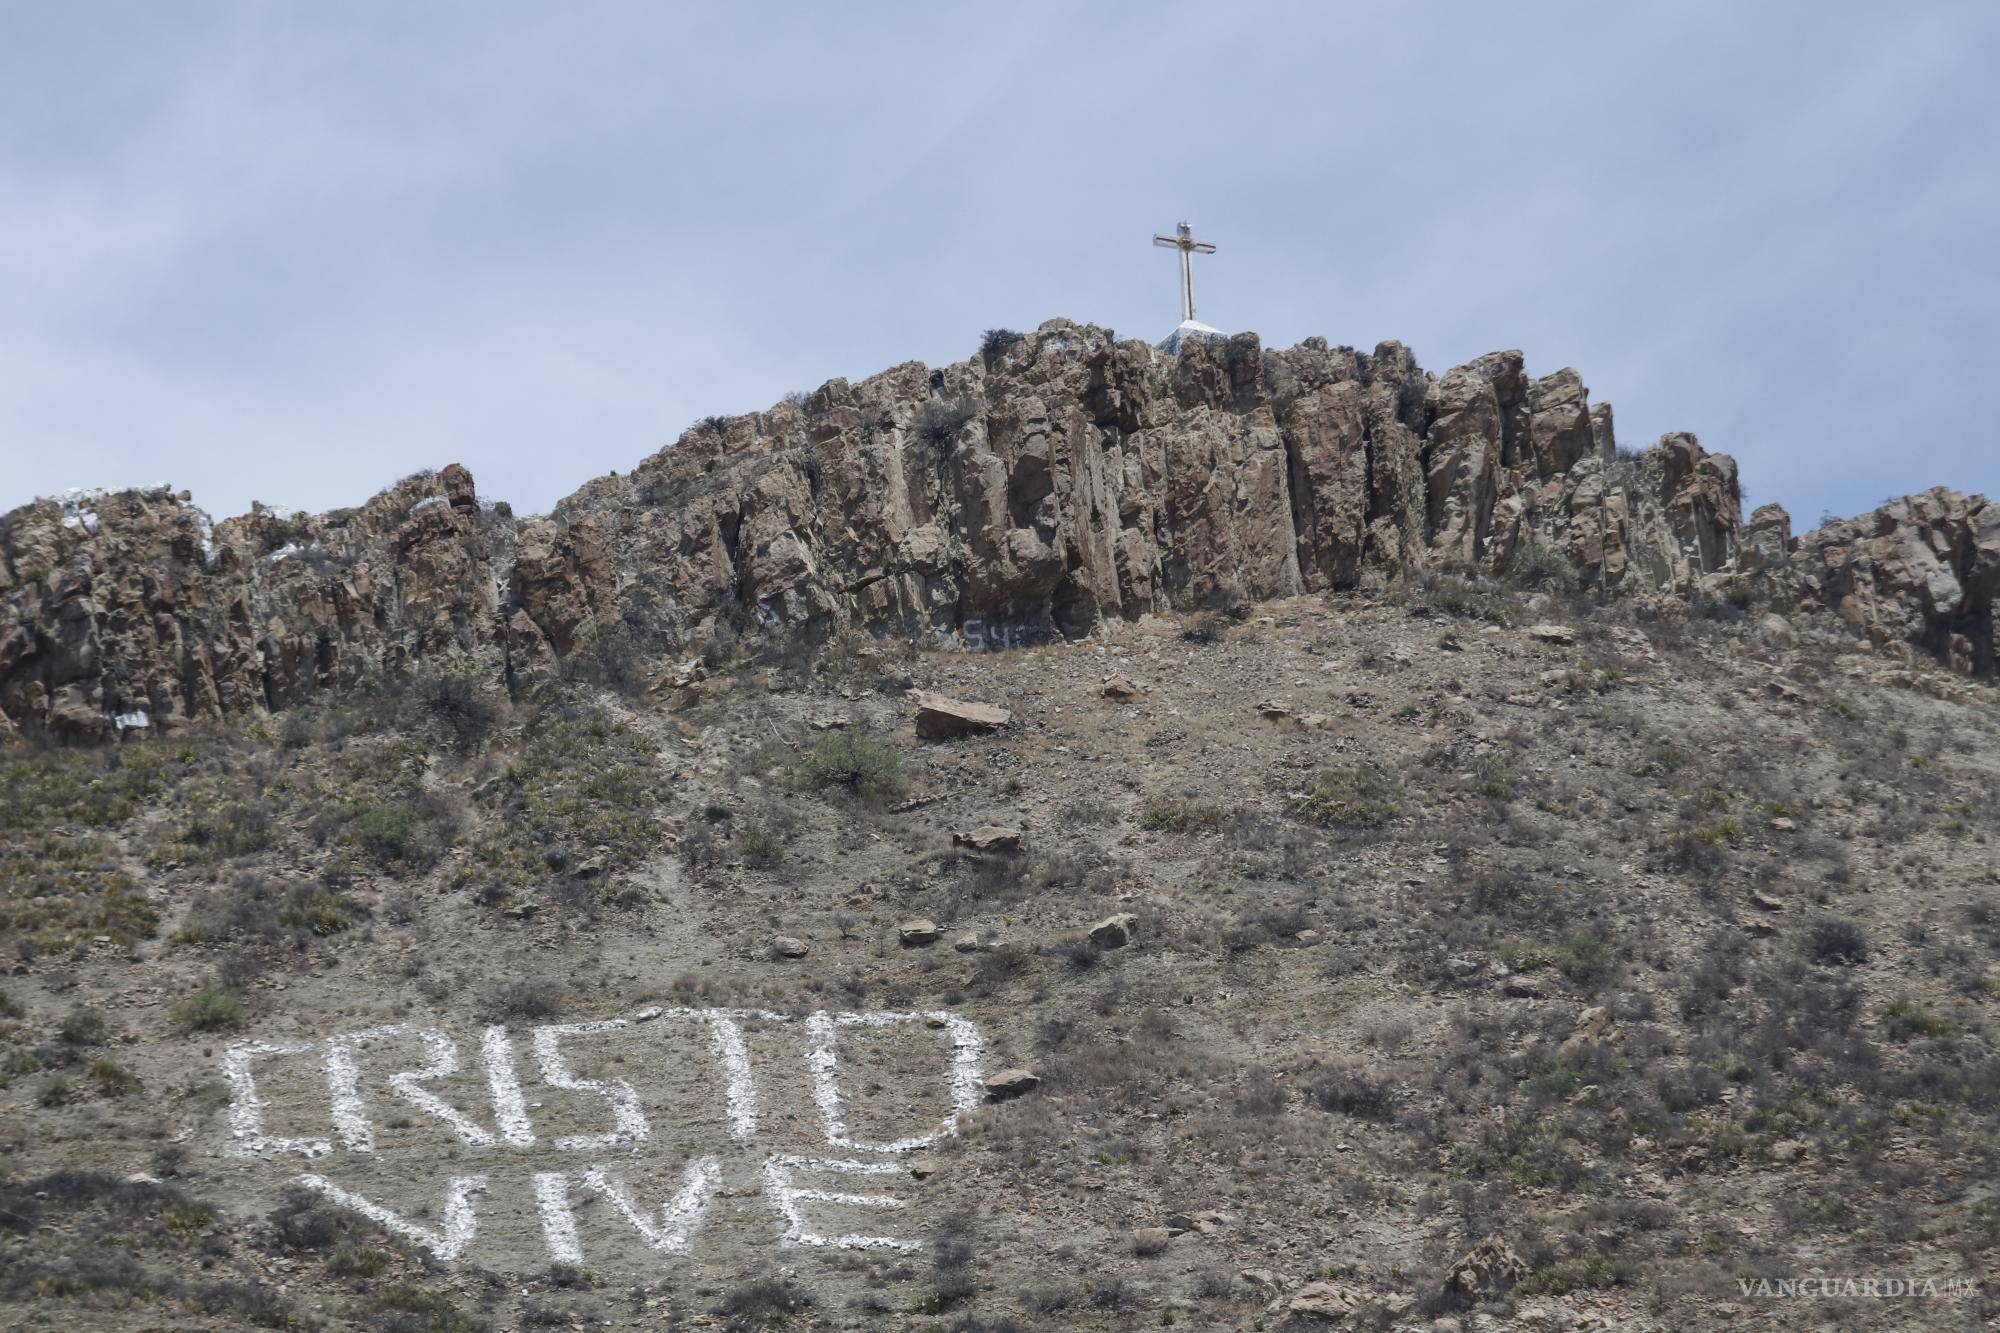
(293, 252)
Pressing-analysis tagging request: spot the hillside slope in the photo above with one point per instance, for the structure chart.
(1462, 953)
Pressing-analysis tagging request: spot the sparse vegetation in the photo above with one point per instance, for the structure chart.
(1507, 926)
(1349, 798)
(853, 761)
(210, 1009)
(1168, 815)
(995, 341)
(763, 1302)
(937, 421)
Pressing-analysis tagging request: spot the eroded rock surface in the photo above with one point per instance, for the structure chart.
(1039, 490)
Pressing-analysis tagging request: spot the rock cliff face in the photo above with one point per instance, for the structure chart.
(1038, 489)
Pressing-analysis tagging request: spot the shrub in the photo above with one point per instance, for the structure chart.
(1531, 564)
(1584, 959)
(1164, 814)
(385, 831)
(210, 1009)
(230, 829)
(609, 652)
(1351, 1093)
(84, 1027)
(111, 1079)
(1347, 798)
(1903, 1019)
(459, 699)
(526, 1000)
(763, 1302)
(253, 907)
(1702, 849)
(937, 421)
(1832, 940)
(854, 760)
(760, 845)
(994, 341)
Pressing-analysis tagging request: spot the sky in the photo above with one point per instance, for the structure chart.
(292, 252)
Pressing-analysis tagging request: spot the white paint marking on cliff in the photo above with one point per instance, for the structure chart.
(785, 1198)
(669, 1233)
(558, 1222)
(725, 1039)
(681, 1215)
(617, 1093)
(824, 1062)
(343, 1085)
(246, 1108)
(510, 1110)
(444, 1062)
(461, 1221)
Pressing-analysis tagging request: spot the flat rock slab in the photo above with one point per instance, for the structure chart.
(918, 932)
(941, 718)
(1011, 1083)
(989, 838)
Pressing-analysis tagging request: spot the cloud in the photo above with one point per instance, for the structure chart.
(292, 254)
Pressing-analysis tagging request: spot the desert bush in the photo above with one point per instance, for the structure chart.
(1173, 815)
(1457, 595)
(760, 845)
(210, 1009)
(253, 907)
(462, 701)
(228, 829)
(84, 1027)
(1351, 798)
(763, 1302)
(583, 782)
(1832, 940)
(526, 1001)
(95, 788)
(1535, 564)
(110, 1078)
(393, 834)
(1351, 1092)
(853, 760)
(994, 341)
(1903, 1019)
(609, 652)
(937, 421)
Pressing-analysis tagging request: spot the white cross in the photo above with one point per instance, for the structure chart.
(1183, 240)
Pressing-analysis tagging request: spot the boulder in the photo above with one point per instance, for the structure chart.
(989, 838)
(789, 946)
(1121, 688)
(1489, 1266)
(918, 932)
(1319, 1302)
(941, 718)
(1113, 932)
(1011, 1083)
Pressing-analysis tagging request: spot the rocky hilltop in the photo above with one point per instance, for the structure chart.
(1053, 482)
